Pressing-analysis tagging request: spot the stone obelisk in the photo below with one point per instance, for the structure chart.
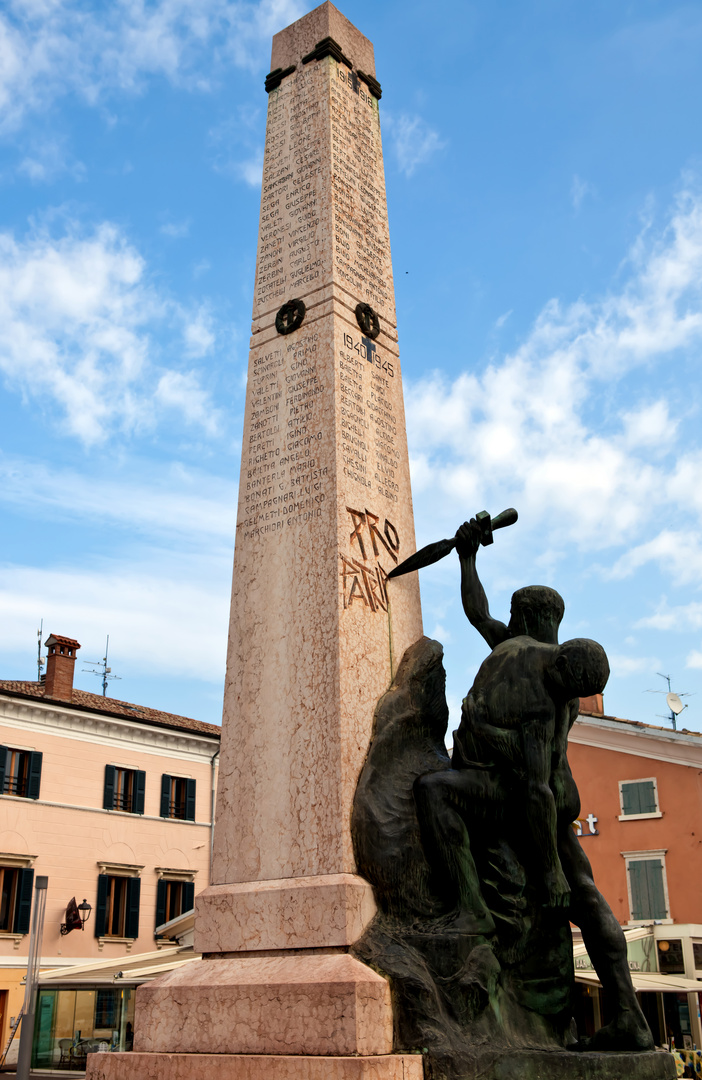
(316, 630)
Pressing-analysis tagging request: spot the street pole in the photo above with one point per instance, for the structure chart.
(24, 1058)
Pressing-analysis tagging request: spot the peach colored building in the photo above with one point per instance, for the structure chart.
(641, 827)
(114, 803)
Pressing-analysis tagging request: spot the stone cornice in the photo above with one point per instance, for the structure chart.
(26, 715)
(676, 748)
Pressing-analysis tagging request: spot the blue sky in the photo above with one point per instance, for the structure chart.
(544, 174)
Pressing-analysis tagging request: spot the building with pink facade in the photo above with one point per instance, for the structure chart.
(114, 803)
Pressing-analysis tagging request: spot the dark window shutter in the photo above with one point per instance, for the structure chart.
(3, 764)
(647, 797)
(656, 893)
(189, 800)
(139, 792)
(161, 889)
(639, 889)
(108, 795)
(630, 799)
(188, 895)
(647, 893)
(101, 905)
(34, 775)
(639, 797)
(23, 904)
(131, 922)
(165, 796)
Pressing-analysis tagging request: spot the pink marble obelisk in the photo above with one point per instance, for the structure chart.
(316, 632)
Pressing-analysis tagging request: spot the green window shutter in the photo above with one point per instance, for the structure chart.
(631, 803)
(108, 794)
(189, 800)
(34, 775)
(131, 922)
(639, 797)
(139, 792)
(188, 895)
(101, 905)
(165, 796)
(647, 893)
(647, 797)
(3, 764)
(23, 904)
(161, 888)
(656, 893)
(639, 890)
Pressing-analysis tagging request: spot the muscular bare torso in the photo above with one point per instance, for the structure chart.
(511, 694)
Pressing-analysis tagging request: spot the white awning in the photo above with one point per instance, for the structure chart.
(649, 980)
(635, 934)
(140, 967)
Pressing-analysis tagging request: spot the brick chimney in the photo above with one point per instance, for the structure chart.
(593, 704)
(60, 662)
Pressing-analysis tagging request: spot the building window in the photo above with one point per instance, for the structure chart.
(173, 898)
(106, 1008)
(639, 799)
(124, 789)
(117, 913)
(177, 798)
(697, 953)
(15, 899)
(670, 956)
(647, 885)
(20, 772)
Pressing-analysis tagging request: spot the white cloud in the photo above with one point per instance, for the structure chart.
(679, 554)
(199, 334)
(546, 429)
(76, 319)
(177, 501)
(251, 171)
(650, 425)
(176, 229)
(414, 141)
(579, 189)
(678, 617)
(47, 159)
(163, 616)
(181, 391)
(53, 47)
(621, 666)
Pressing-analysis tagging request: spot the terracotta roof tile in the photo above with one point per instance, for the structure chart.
(639, 724)
(87, 702)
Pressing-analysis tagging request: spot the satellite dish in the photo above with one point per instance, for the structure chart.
(674, 703)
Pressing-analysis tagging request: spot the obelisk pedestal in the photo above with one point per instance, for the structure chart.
(316, 630)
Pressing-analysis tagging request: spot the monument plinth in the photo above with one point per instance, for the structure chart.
(316, 635)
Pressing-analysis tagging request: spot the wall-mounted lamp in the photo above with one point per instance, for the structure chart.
(77, 916)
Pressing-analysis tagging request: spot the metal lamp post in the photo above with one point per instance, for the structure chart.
(36, 933)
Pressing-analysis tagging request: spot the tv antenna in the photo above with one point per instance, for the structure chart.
(672, 700)
(40, 658)
(102, 668)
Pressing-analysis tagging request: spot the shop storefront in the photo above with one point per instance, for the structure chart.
(670, 999)
(72, 1022)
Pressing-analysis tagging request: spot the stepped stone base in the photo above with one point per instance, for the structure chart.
(290, 913)
(252, 1067)
(300, 1004)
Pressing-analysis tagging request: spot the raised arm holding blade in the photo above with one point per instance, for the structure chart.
(536, 610)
